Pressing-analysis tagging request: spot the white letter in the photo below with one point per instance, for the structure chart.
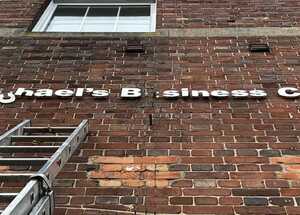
(288, 92)
(185, 92)
(100, 93)
(21, 91)
(6, 99)
(79, 92)
(131, 93)
(64, 93)
(43, 93)
(239, 93)
(258, 93)
(220, 93)
(200, 93)
(170, 94)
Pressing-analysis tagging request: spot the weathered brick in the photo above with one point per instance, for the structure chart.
(285, 160)
(253, 183)
(128, 200)
(110, 183)
(230, 200)
(182, 183)
(208, 210)
(277, 183)
(157, 183)
(206, 192)
(205, 183)
(255, 192)
(281, 201)
(111, 167)
(196, 167)
(181, 200)
(112, 160)
(260, 210)
(206, 201)
(107, 200)
(179, 167)
(252, 201)
(113, 175)
(161, 175)
(133, 167)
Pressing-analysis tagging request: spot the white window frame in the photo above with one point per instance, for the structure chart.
(44, 20)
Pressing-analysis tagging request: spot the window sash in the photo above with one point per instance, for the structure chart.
(46, 18)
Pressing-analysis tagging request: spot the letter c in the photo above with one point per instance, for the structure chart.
(289, 92)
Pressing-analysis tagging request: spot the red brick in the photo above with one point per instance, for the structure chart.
(112, 160)
(260, 210)
(208, 210)
(113, 175)
(253, 183)
(206, 201)
(229, 183)
(286, 160)
(157, 183)
(206, 192)
(133, 183)
(182, 183)
(161, 175)
(231, 201)
(181, 200)
(290, 192)
(111, 167)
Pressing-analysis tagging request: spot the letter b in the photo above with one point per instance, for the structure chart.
(131, 93)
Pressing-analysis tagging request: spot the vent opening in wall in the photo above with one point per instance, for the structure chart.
(134, 47)
(259, 47)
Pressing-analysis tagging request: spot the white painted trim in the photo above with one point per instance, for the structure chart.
(153, 17)
(84, 18)
(45, 19)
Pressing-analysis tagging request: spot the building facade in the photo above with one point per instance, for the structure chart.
(180, 139)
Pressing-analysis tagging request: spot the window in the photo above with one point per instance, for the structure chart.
(65, 16)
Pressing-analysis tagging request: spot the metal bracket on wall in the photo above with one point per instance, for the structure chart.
(36, 197)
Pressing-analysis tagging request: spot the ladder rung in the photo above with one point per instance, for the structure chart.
(46, 138)
(23, 161)
(48, 129)
(7, 196)
(15, 176)
(28, 149)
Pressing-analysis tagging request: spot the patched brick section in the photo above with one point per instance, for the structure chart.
(290, 167)
(4, 168)
(147, 171)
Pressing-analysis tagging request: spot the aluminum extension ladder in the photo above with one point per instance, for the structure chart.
(36, 197)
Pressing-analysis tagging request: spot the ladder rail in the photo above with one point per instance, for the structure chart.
(25, 200)
(37, 197)
(64, 152)
(17, 130)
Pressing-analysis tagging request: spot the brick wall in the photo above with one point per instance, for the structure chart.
(230, 156)
(198, 156)
(184, 13)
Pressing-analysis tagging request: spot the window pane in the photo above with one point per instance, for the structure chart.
(135, 11)
(65, 24)
(101, 19)
(70, 11)
(99, 24)
(103, 11)
(67, 18)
